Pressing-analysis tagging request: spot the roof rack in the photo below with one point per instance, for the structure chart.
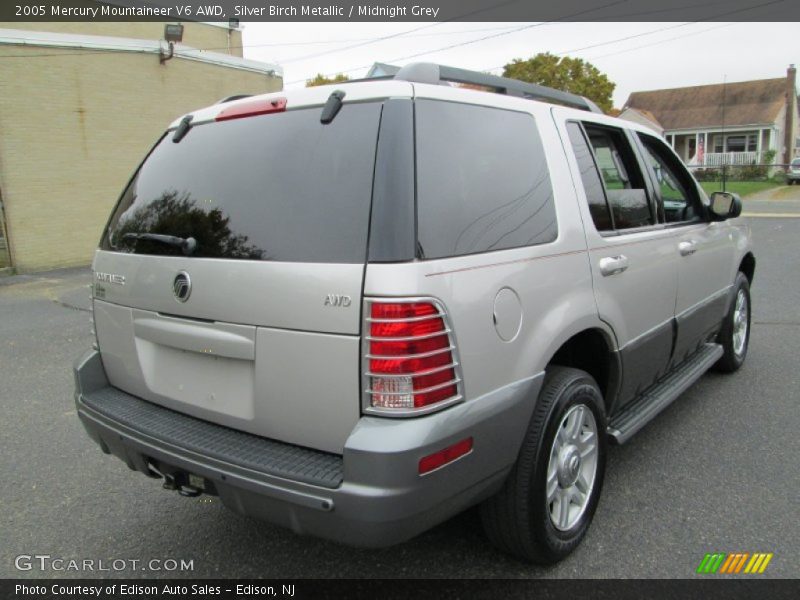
(438, 74)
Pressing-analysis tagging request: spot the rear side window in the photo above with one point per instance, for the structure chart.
(592, 184)
(279, 187)
(482, 180)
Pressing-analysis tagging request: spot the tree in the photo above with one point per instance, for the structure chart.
(320, 79)
(563, 73)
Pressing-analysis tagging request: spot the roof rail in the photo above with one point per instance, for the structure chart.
(438, 74)
(232, 98)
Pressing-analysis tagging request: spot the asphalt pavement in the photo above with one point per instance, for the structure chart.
(718, 471)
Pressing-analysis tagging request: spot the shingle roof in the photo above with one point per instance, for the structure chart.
(746, 103)
(649, 116)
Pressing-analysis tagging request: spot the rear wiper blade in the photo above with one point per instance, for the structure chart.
(187, 245)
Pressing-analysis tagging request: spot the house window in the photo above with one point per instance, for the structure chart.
(737, 143)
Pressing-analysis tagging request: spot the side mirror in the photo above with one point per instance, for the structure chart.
(725, 205)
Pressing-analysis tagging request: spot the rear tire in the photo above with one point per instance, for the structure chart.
(547, 503)
(735, 333)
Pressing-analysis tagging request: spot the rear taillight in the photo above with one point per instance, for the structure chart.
(410, 362)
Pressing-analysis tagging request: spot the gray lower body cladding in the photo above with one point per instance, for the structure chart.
(371, 495)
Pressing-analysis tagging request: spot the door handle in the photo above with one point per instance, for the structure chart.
(611, 265)
(687, 248)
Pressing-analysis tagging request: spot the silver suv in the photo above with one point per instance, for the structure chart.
(357, 310)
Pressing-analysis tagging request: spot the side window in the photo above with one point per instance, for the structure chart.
(482, 180)
(675, 187)
(622, 178)
(592, 184)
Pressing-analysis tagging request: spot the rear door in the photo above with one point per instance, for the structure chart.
(253, 320)
(634, 268)
(704, 249)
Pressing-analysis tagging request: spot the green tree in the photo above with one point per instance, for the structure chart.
(320, 79)
(563, 73)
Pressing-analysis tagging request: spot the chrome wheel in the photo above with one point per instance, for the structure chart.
(740, 323)
(572, 468)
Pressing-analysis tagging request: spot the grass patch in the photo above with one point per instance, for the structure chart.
(743, 188)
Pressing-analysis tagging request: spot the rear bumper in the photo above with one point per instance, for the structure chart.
(372, 495)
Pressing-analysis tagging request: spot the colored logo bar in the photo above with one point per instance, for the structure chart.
(734, 563)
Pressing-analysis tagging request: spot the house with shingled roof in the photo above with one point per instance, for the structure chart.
(728, 123)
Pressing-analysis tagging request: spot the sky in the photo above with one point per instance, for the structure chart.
(635, 56)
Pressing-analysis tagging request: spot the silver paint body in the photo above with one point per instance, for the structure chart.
(261, 347)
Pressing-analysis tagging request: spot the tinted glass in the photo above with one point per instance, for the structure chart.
(624, 184)
(592, 184)
(675, 186)
(482, 180)
(279, 187)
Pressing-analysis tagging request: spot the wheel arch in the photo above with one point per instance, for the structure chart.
(594, 350)
(748, 266)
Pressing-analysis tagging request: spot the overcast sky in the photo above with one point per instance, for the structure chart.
(635, 56)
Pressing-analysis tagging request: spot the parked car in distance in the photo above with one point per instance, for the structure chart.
(793, 172)
(357, 310)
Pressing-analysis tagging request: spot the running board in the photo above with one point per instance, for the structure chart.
(642, 410)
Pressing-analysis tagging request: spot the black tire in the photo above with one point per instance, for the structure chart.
(517, 519)
(731, 360)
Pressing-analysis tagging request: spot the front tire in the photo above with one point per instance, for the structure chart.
(735, 333)
(547, 503)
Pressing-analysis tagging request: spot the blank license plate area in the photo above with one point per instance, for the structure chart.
(219, 384)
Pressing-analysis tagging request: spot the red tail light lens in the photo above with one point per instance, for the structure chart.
(252, 108)
(410, 356)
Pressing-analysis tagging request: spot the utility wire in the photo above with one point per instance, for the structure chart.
(506, 31)
(477, 40)
(396, 35)
(364, 41)
(266, 45)
(672, 39)
(744, 9)
(615, 41)
(609, 42)
(250, 46)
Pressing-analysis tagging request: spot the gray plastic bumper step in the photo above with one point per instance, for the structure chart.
(639, 412)
(215, 441)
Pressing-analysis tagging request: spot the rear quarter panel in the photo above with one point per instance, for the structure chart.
(551, 281)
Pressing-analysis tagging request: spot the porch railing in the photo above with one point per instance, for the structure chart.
(717, 159)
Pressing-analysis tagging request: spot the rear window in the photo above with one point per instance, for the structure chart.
(482, 180)
(278, 187)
